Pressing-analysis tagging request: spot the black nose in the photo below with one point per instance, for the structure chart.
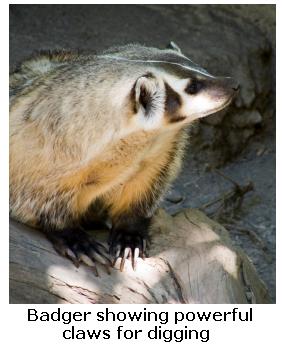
(231, 83)
(236, 87)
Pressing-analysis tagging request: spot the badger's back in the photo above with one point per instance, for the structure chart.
(38, 65)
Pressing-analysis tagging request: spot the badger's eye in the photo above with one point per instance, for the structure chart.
(193, 87)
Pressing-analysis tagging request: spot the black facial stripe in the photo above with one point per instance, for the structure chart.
(193, 87)
(173, 100)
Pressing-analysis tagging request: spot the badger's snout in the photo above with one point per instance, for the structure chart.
(204, 96)
(220, 92)
(231, 84)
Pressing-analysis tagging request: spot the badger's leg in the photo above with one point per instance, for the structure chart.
(133, 204)
(78, 246)
(128, 238)
(67, 236)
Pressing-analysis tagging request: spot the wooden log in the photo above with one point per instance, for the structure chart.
(191, 261)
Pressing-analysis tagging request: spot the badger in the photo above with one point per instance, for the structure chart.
(100, 138)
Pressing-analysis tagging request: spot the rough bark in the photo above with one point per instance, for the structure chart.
(191, 260)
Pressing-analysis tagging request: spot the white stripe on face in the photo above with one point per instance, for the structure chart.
(189, 68)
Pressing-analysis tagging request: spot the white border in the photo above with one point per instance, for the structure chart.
(178, 2)
(14, 327)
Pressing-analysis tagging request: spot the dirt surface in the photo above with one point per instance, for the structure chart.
(237, 40)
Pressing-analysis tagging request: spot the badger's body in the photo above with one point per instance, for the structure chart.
(102, 136)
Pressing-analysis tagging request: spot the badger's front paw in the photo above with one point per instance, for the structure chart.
(78, 246)
(127, 245)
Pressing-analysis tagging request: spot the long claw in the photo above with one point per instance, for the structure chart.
(124, 257)
(88, 261)
(102, 246)
(97, 256)
(127, 245)
(63, 250)
(134, 258)
(95, 271)
(118, 251)
(114, 250)
(79, 247)
(115, 261)
(71, 255)
(117, 255)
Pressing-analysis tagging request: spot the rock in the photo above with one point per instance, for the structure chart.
(174, 196)
(237, 139)
(233, 140)
(247, 133)
(247, 119)
(261, 151)
(247, 94)
(214, 119)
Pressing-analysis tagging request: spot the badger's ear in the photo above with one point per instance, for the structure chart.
(145, 90)
(172, 45)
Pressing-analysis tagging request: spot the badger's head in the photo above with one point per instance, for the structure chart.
(170, 90)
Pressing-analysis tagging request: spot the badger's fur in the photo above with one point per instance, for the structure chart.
(102, 136)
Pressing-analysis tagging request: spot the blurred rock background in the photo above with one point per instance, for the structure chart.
(229, 168)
